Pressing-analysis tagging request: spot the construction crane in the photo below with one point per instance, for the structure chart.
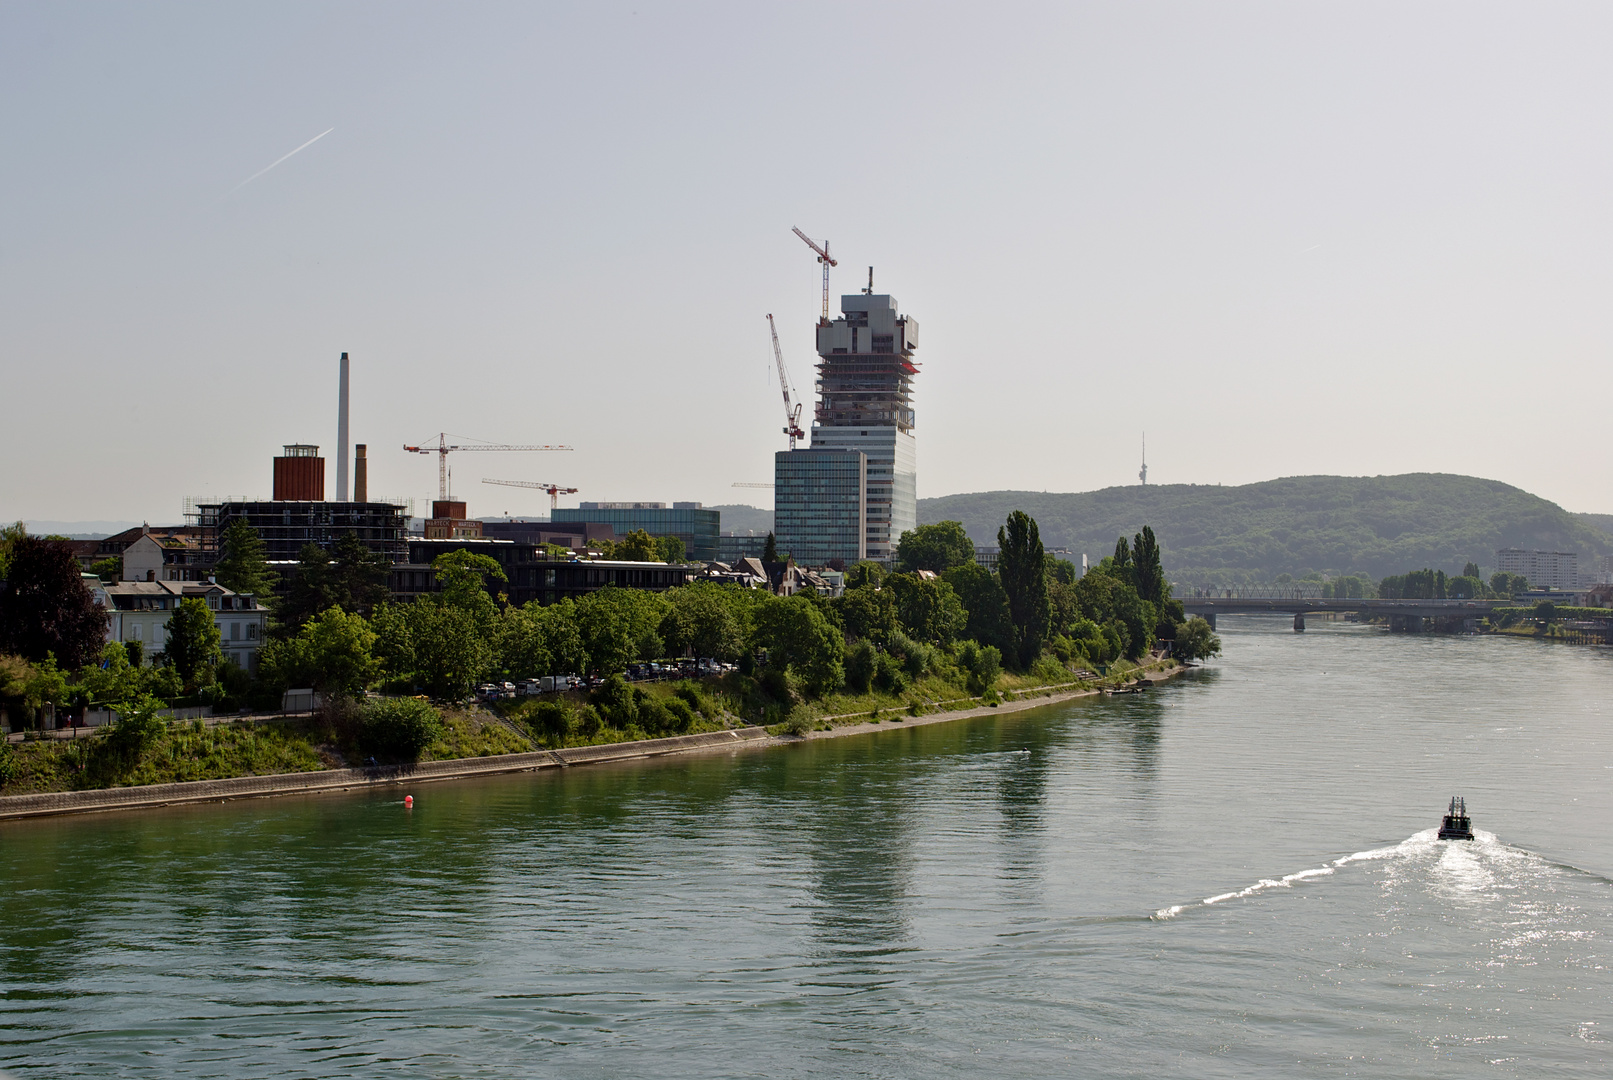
(792, 412)
(444, 447)
(554, 490)
(754, 485)
(823, 257)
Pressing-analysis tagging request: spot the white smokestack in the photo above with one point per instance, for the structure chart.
(341, 436)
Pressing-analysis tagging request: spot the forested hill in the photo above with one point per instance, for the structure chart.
(1374, 525)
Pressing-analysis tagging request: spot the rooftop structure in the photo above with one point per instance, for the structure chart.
(689, 522)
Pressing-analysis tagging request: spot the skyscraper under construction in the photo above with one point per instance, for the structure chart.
(865, 407)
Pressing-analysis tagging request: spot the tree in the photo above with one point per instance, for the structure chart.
(1148, 572)
(44, 608)
(983, 663)
(669, 549)
(1507, 586)
(770, 550)
(538, 640)
(193, 642)
(865, 573)
(462, 582)
(798, 637)
(867, 612)
(447, 651)
(704, 620)
(937, 548)
(1022, 569)
(1121, 567)
(618, 626)
(116, 682)
(1196, 641)
(243, 562)
(637, 546)
(109, 569)
(989, 621)
(333, 653)
(399, 727)
(929, 609)
(1471, 570)
(359, 575)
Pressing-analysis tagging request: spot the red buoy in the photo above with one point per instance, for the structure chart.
(408, 802)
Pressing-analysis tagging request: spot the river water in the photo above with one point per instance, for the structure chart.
(1233, 875)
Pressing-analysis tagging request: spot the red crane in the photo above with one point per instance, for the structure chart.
(554, 490)
(792, 412)
(823, 257)
(444, 447)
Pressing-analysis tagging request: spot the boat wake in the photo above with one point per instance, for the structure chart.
(1462, 866)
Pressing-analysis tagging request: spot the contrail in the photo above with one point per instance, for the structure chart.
(260, 172)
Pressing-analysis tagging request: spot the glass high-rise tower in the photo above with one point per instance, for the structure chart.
(865, 403)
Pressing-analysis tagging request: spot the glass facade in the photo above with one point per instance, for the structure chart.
(820, 505)
(697, 528)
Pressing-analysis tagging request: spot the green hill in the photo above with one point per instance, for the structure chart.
(1372, 525)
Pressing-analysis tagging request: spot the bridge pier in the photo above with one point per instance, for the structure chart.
(1299, 622)
(1210, 618)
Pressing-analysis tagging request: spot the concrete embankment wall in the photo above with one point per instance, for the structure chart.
(247, 787)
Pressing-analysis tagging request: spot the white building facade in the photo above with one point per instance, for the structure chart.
(140, 610)
(1544, 569)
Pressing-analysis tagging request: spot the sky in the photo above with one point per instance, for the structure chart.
(1281, 239)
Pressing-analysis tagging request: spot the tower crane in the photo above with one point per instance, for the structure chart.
(792, 412)
(823, 257)
(554, 490)
(742, 484)
(444, 447)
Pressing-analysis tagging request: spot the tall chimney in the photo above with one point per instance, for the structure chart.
(361, 475)
(341, 436)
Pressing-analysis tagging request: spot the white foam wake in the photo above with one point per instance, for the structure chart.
(1417, 843)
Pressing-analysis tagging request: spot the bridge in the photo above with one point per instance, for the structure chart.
(1413, 616)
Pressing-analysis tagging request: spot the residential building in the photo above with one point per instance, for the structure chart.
(1544, 569)
(696, 526)
(821, 505)
(173, 557)
(140, 610)
(865, 385)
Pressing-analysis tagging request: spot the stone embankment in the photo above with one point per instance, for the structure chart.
(247, 787)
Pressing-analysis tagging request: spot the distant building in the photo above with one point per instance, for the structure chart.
(865, 378)
(733, 548)
(174, 557)
(298, 514)
(1544, 569)
(577, 535)
(448, 521)
(820, 505)
(696, 526)
(532, 574)
(140, 610)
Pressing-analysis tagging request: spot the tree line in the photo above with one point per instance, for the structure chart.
(336, 629)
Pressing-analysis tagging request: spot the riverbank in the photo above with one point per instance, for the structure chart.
(134, 797)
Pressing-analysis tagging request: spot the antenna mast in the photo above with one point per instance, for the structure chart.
(1142, 474)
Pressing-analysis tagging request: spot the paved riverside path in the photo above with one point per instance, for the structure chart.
(246, 787)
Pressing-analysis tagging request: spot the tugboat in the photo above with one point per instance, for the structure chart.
(1456, 825)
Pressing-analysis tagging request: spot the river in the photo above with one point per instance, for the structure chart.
(1233, 875)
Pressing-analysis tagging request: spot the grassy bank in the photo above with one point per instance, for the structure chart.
(179, 751)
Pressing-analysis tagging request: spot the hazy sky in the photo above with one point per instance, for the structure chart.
(1284, 238)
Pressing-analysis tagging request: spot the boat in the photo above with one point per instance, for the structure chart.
(1456, 825)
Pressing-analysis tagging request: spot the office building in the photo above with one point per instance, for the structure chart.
(820, 505)
(1544, 569)
(865, 383)
(696, 526)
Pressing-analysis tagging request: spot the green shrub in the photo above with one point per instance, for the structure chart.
(797, 725)
(915, 656)
(616, 701)
(1049, 670)
(589, 722)
(683, 717)
(552, 720)
(690, 694)
(775, 683)
(861, 663)
(398, 727)
(983, 663)
(137, 731)
(888, 674)
(8, 764)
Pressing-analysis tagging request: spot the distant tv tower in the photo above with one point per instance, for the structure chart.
(1142, 473)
